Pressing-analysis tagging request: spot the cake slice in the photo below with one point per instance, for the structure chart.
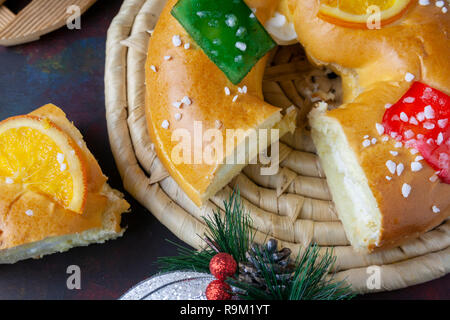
(54, 195)
(190, 100)
(380, 199)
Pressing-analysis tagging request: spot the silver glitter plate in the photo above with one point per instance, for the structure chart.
(178, 285)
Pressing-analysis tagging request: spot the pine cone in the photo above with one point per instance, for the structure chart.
(267, 255)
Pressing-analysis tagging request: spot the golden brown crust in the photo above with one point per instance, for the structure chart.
(402, 218)
(49, 219)
(416, 43)
(191, 73)
(373, 64)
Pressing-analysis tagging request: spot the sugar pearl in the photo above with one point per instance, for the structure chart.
(406, 190)
(409, 77)
(429, 112)
(400, 168)
(60, 157)
(176, 40)
(366, 143)
(241, 46)
(186, 100)
(391, 166)
(380, 128)
(165, 124)
(442, 123)
(416, 166)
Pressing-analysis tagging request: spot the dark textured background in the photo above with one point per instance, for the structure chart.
(66, 68)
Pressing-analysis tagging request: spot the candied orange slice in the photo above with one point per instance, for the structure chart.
(356, 13)
(37, 154)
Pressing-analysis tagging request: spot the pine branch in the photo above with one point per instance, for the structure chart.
(310, 281)
(231, 233)
(187, 259)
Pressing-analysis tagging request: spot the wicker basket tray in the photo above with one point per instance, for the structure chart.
(293, 206)
(36, 19)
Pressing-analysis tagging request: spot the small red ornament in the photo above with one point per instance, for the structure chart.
(222, 266)
(218, 290)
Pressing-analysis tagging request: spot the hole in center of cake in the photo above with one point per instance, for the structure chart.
(302, 83)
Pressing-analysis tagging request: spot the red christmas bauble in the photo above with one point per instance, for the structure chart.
(218, 290)
(222, 266)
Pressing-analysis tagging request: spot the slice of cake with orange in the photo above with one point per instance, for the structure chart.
(53, 194)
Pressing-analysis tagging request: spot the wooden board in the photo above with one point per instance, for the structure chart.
(293, 206)
(36, 19)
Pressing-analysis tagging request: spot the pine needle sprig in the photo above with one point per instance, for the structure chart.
(187, 259)
(231, 233)
(310, 281)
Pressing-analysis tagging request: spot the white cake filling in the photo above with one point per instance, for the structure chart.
(357, 207)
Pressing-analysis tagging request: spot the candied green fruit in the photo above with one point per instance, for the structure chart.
(227, 31)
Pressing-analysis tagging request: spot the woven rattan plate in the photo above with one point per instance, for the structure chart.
(293, 206)
(37, 18)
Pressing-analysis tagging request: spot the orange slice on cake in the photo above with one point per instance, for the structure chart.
(38, 155)
(357, 13)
